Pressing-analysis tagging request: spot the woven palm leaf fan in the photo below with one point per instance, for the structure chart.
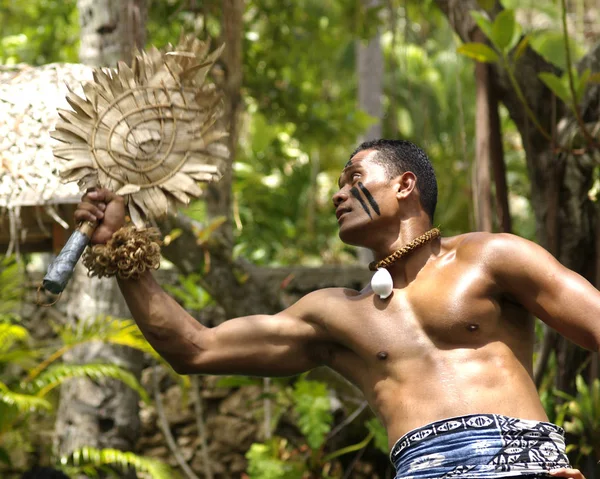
(147, 132)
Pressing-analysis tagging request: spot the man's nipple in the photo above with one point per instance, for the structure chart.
(382, 355)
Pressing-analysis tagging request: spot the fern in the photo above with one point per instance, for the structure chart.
(22, 402)
(108, 329)
(59, 373)
(11, 334)
(26, 358)
(88, 458)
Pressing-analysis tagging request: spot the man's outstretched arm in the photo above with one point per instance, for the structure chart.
(561, 298)
(288, 343)
(284, 344)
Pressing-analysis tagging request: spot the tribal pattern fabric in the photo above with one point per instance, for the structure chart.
(480, 446)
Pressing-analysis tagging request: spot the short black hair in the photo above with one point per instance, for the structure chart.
(400, 156)
(44, 473)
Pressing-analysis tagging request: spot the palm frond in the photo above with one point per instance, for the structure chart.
(10, 334)
(26, 358)
(97, 458)
(59, 373)
(108, 329)
(21, 401)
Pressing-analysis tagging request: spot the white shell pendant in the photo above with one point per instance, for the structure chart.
(382, 283)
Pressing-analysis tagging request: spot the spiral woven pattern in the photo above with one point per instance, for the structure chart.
(147, 132)
(128, 254)
(400, 253)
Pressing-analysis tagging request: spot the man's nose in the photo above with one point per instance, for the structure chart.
(339, 198)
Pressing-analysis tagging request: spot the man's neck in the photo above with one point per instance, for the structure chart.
(405, 269)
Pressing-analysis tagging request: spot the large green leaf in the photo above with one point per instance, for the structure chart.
(479, 52)
(505, 33)
(558, 85)
(551, 46)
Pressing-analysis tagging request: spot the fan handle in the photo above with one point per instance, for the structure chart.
(61, 269)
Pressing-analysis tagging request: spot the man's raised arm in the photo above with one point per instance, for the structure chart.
(284, 344)
(561, 298)
(287, 343)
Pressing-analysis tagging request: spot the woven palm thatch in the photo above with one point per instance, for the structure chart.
(33, 200)
(148, 131)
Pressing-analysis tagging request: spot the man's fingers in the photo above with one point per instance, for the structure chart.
(567, 472)
(102, 195)
(87, 211)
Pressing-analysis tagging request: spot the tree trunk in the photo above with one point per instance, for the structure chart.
(489, 156)
(105, 414)
(111, 30)
(97, 414)
(370, 70)
(219, 195)
(497, 159)
(482, 180)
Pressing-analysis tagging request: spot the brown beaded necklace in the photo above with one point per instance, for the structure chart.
(400, 253)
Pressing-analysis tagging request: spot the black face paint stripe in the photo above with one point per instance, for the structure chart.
(370, 198)
(356, 194)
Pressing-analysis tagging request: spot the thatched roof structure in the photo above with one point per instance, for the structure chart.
(32, 197)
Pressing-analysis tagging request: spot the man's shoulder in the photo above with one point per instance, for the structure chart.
(479, 241)
(495, 250)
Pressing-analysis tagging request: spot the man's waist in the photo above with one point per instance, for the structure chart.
(479, 446)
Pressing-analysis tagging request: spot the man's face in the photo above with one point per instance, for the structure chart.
(366, 197)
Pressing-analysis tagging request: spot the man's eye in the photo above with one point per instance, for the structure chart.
(355, 175)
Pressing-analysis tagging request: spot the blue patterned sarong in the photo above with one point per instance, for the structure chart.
(480, 446)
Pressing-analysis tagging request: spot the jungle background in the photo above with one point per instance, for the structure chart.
(504, 98)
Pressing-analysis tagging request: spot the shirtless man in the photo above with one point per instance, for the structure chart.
(445, 361)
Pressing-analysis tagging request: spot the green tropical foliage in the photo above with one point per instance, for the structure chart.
(38, 32)
(90, 461)
(580, 416)
(30, 370)
(57, 374)
(270, 460)
(312, 406)
(24, 393)
(299, 125)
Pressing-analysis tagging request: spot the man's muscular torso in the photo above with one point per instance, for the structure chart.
(447, 343)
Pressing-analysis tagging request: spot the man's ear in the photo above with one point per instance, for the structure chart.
(405, 184)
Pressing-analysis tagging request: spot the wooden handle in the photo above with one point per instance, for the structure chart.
(61, 269)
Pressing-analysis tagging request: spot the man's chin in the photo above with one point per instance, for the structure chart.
(351, 236)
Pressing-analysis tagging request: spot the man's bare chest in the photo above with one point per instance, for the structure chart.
(453, 308)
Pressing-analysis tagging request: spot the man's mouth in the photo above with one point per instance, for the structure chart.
(341, 211)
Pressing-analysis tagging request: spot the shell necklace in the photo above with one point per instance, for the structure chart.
(381, 282)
